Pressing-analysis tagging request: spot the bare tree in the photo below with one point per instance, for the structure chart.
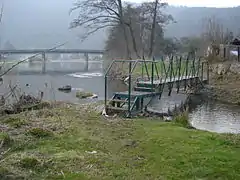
(96, 15)
(215, 34)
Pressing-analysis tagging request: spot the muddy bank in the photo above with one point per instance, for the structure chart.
(224, 88)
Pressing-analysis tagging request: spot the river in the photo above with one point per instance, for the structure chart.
(205, 115)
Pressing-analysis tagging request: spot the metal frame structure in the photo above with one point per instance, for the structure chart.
(179, 71)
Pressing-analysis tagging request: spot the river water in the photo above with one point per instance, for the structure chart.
(205, 115)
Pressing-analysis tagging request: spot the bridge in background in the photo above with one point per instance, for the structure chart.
(43, 52)
(51, 51)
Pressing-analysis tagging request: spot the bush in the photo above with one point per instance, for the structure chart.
(182, 120)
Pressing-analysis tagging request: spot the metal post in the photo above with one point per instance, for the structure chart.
(129, 88)
(202, 71)
(87, 59)
(141, 103)
(170, 83)
(155, 64)
(179, 73)
(207, 72)
(152, 77)
(105, 93)
(43, 63)
(186, 73)
(224, 52)
(238, 53)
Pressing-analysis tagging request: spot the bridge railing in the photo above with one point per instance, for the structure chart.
(135, 68)
(175, 69)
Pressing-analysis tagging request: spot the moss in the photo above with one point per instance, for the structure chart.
(39, 132)
(29, 162)
(15, 122)
(83, 95)
(5, 139)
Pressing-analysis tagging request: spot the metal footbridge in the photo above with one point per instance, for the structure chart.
(150, 78)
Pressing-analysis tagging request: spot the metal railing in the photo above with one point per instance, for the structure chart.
(176, 70)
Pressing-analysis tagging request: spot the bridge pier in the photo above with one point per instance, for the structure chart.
(43, 63)
(86, 63)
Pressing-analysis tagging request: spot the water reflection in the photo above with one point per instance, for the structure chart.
(216, 117)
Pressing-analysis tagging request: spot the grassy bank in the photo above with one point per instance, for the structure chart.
(74, 142)
(162, 68)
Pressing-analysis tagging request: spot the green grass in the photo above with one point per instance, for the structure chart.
(124, 149)
(141, 69)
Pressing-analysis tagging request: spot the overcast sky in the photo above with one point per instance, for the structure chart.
(202, 3)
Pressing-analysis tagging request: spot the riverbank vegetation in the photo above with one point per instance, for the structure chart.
(75, 142)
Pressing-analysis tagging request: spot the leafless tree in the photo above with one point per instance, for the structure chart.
(214, 34)
(96, 15)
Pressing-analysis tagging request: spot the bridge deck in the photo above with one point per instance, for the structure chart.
(168, 80)
(136, 93)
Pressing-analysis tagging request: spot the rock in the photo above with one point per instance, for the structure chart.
(65, 88)
(221, 68)
(235, 68)
(83, 94)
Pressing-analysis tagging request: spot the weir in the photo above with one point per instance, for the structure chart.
(148, 79)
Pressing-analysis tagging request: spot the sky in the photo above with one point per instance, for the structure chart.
(201, 3)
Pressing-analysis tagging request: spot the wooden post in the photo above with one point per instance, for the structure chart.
(43, 63)
(86, 61)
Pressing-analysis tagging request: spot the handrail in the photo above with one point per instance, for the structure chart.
(130, 72)
(163, 84)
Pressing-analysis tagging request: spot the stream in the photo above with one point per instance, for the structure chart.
(205, 114)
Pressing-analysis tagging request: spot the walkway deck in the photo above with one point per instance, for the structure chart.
(136, 94)
(168, 80)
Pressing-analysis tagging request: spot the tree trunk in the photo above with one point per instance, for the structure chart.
(123, 28)
(153, 29)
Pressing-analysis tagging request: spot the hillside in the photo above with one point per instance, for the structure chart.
(39, 24)
(190, 19)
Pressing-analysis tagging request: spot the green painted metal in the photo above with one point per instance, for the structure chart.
(129, 88)
(152, 77)
(177, 71)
